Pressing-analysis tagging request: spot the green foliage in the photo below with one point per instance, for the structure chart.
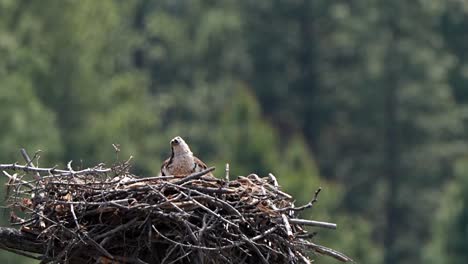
(253, 143)
(25, 121)
(354, 235)
(385, 129)
(450, 225)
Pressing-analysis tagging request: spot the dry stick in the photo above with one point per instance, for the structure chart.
(210, 198)
(284, 194)
(287, 226)
(99, 247)
(235, 244)
(168, 254)
(40, 214)
(291, 255)
(303, 207)
(252, 244)
(306, 235)
(24, 222)
(65, 250)
(113, 202)
(210, 211)
(312, 223)
(169, 201)
(226, 176)
(104, 241)
(273, 179)
(117, 229)
(13, 179)
(194, 246)
(205, 226)
(74, 216)
(148, 179)
(262, 235)
(275, 186)
(328, 251)
(224, 204)
(60, 173)
(69, 166)
(303, 258)
(28, 160)
(194, 176)
(89, 239)
(196, 241)
(11, 238)
(85, 185)
(124, 167)
(120, 259)
(212, 190)
(181, 257)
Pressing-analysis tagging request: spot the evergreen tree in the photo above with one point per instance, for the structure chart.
(26, 121)
(387, 139)
(450, 224)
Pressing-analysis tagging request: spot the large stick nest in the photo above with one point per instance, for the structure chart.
(101, 215)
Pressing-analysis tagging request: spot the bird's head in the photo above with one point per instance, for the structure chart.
(179, 147)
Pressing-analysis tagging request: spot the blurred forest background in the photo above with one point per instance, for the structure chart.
(365, 98)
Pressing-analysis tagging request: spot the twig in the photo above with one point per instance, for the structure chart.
(328, 251)
(287, 226)
(148, 179)
(117, 229)
(99, 247)
(194, 176)
(58, 172)
(226, 176)
(306, 206)
(94, 203)
(13, 179)
(69, 166)
(273, 179)
(28, 160)
(74, 216)
(14, 239)
(312, 223)
(210, 211)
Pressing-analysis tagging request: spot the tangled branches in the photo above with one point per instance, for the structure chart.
(103, 215)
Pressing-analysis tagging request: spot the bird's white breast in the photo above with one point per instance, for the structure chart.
(181, 165)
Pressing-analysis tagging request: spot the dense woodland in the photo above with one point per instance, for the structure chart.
(365, 98)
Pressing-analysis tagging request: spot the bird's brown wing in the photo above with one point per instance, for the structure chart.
(201, 163)
(165, 163)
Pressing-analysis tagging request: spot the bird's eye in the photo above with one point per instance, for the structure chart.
(175, 141)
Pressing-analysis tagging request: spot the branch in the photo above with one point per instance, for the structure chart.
(195, 175)
(11, 238)
(15, 166)
(312, 223)
(303, 207)
(28, 160)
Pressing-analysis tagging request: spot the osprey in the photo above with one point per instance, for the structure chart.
(182, 161)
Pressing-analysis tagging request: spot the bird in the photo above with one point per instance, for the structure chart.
(182, 161)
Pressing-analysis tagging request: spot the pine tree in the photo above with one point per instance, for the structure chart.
(395, 128)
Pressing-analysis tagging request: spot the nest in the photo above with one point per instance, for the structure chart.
(108, 215)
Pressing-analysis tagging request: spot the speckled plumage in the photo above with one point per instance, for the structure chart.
(182, 161)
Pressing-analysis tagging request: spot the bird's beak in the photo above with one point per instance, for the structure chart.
(175, 142)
